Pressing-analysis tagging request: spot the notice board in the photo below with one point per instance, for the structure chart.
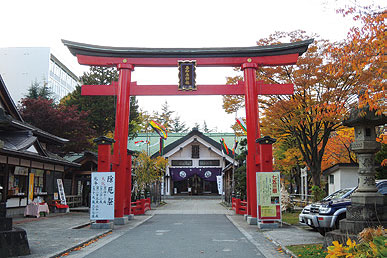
(268, 196)
(102, 196)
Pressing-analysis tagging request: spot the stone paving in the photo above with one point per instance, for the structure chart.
(57, 233)
(193, 206)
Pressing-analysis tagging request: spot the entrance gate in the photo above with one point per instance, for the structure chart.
(249, 59)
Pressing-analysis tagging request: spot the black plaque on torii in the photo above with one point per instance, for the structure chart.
(187, 75)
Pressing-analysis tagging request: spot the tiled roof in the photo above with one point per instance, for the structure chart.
(154, 139)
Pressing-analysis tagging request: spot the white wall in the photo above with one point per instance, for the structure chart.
(204, 153)
(344, 177)
(185, 154)
(349, 177)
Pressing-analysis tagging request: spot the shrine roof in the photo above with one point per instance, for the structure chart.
(77, 48)
(174, 139)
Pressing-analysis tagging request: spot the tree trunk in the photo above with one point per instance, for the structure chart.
(316, 175)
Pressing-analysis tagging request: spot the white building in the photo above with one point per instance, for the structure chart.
(342, 175)
(20, 67)
(194, 161)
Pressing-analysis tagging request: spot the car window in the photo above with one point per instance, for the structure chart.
(337, 194)
(382, 187)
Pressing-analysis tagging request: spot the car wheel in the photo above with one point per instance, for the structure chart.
(322, 231)
(337, 223)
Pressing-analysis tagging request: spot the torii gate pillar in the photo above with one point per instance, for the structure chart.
(121, 138)
(253, 133)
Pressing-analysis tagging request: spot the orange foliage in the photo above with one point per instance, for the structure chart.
(363, 52)
(319, 104)
(338, 148)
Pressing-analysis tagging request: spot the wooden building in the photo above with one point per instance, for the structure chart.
(27, 168)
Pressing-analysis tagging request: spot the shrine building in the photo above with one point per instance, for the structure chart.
(194, 160)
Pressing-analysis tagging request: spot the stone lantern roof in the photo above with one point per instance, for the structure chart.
(364, 116)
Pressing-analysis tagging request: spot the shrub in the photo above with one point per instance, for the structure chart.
(318, 193)
(373, 244)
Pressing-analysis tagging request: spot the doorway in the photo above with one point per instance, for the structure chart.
(196, 185)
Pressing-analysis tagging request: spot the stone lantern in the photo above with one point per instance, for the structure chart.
(368, 207)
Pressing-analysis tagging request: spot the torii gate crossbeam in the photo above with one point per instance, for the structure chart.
(249, 59)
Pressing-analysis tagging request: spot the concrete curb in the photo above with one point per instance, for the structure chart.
(79, 244)
(282, 247)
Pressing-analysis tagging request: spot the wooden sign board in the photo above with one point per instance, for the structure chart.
(187, 75)
(268, 196)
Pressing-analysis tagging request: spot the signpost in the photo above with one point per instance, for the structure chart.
(219, 180)
(268, 197)
(102, 196)
(61, 191)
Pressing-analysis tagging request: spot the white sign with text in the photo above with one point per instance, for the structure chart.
(61, 191)
(102, 195)
(219, 180)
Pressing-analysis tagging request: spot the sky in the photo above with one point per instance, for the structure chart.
(156, 23)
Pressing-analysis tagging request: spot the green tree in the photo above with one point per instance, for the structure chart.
(240, 171)
(205, 128)
(165, 116)
(36, 91)
(178, 126)
(381, 158)
(102, 109)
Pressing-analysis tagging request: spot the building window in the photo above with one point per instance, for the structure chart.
(331, 179)
(18, 181)
(38, 180)
(195, 151)
(208, 163)
(181, 163)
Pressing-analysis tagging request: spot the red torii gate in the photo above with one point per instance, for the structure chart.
(247, 58)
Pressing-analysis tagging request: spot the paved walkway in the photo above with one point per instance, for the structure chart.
(193, 206)
(58, 233)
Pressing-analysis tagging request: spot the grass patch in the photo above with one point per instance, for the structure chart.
(290, 217)
(312, 250)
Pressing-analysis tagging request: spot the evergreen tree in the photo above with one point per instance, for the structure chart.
(102, 109)
(165, 117)
(178, 126)
(36, 91)
(205, 128)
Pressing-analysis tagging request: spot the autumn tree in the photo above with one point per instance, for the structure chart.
(59, 120)
(148, 170)
(319, 104)
(363, 51)
(289, 161)
(338, 148)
